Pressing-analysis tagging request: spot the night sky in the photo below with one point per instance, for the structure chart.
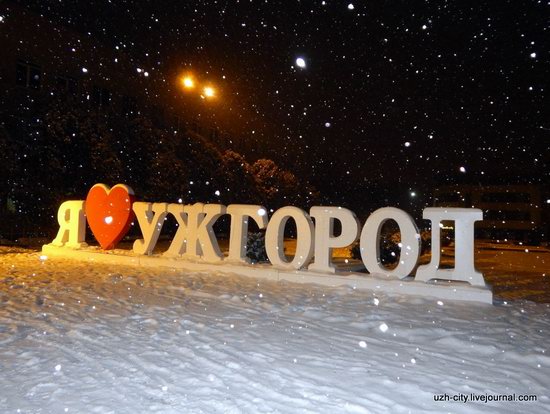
(398, 95)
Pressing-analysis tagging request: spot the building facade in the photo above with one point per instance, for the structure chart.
(516, 212)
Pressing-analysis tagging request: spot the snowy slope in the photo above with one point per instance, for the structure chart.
(99, 339)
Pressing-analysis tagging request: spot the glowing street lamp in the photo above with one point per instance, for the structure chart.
(209, 92)
(188, 82)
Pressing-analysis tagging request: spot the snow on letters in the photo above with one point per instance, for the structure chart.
(195, 238)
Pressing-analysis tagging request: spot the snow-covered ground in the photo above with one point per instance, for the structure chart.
(101, 339)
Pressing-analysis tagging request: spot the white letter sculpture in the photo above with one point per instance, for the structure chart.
(177, 247)
(464, 270)
(274, 238)
(201, 239)
(324, 234)
(370, 242)
(72, 225)
(240, 213)
(150, 218)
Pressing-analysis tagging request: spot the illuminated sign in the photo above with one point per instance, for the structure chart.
(110, 212)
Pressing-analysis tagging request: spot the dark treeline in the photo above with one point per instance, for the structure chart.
(59, 154)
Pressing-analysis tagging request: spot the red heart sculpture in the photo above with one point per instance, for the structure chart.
(109, 213)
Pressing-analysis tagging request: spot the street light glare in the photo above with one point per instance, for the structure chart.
(208, 91)
(192, 84)
(188, 82)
